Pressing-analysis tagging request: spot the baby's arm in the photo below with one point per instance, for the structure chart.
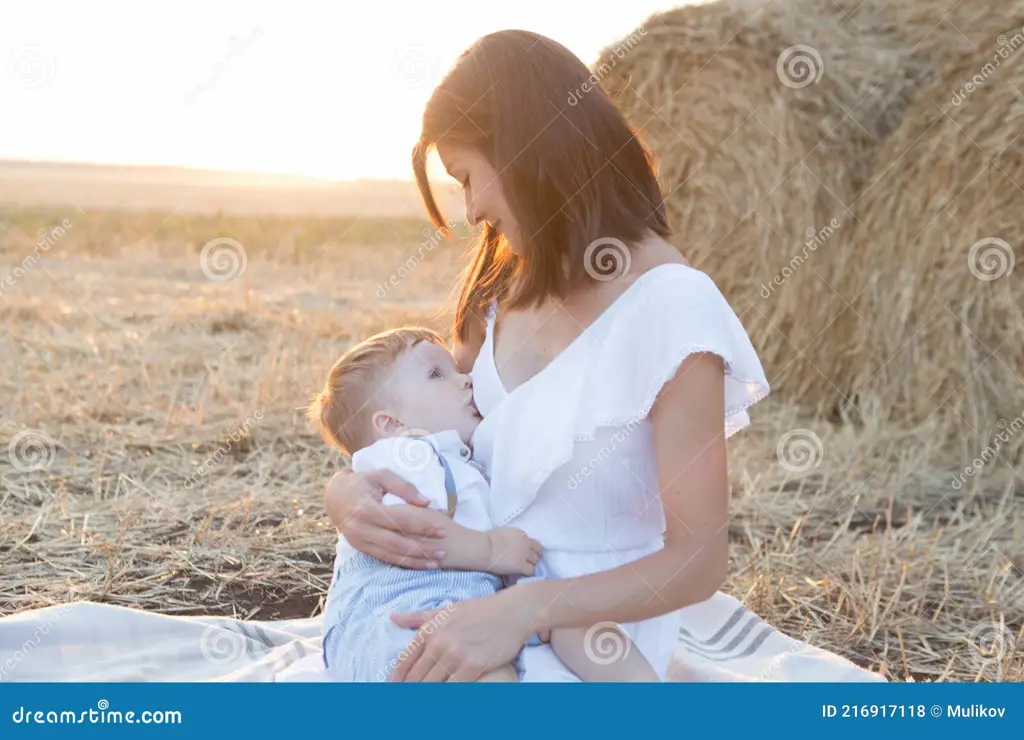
(505, 551)
(602, 653)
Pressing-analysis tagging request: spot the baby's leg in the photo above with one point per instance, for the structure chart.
(505, 673)
(602, 654)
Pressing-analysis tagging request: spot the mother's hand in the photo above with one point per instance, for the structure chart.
(465, 640)
(401, 535)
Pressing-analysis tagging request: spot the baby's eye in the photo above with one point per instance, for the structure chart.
(436, 373)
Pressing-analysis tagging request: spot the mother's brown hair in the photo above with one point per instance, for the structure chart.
(571, 168)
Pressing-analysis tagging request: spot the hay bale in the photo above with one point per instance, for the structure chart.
(764, 121)
(936, 320)
(929, 34)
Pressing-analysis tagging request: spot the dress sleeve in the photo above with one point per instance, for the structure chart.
(680, 313)
(413, 459)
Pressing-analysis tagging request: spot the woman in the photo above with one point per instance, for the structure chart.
(609, 374)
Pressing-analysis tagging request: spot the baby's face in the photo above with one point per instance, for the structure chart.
(431, 394)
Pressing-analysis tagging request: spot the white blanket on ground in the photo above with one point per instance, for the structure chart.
(82, 641)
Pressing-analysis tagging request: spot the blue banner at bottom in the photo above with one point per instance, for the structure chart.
(524, 711)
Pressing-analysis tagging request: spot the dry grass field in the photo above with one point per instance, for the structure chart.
(155, 455)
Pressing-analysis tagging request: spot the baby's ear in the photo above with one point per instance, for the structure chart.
(384, 424)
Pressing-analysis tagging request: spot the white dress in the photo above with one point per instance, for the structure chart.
(570, 452)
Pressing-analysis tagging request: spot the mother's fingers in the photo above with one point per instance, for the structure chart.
(421, 666)
(407, 552)
(412, 620)
(414, 521)
(412, 655)
(465, 673)
(437, 674)
(391, 482)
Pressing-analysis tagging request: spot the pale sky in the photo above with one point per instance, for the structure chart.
(325, 89)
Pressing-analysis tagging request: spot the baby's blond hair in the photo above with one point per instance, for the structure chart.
(356, 387)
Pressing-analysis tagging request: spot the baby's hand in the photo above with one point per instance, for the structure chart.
(512, 552)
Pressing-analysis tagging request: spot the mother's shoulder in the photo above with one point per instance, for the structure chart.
(652, 254)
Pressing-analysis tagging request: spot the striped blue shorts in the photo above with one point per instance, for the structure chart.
(361, 643)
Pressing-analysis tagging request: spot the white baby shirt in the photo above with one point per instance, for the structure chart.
(416, 459)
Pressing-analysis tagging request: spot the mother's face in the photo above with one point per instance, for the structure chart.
(485, 200)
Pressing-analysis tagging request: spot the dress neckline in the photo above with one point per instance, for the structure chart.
(574, 343)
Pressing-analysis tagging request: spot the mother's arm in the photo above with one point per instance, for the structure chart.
(410, 537)
(689, 439)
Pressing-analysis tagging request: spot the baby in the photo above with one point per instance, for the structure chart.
(398, 401)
